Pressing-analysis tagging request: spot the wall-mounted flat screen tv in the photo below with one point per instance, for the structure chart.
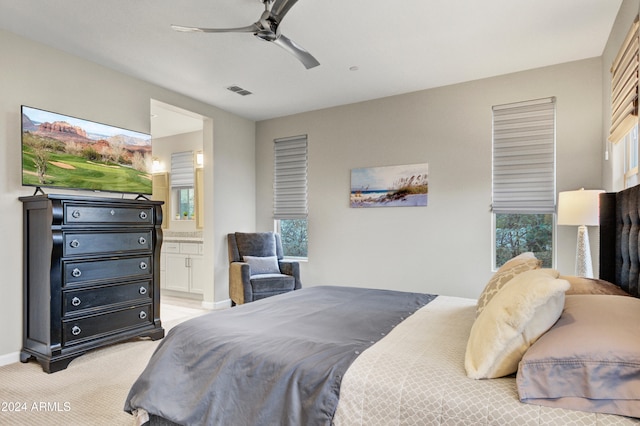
(60, 151)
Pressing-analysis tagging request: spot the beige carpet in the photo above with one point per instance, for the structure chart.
(91, 391)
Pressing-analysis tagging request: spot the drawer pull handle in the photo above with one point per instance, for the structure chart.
(143, 266)
(143, 215)
(142, 240)
(76, 301)
(143, 290)
(76, 330)
(76, 214)
(142, 315)
(76, 273)
(74, 244)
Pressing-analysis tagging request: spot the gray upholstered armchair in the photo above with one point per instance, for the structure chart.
(257, 269)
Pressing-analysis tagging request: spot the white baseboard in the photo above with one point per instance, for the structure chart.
(9, 358)
(224, 304)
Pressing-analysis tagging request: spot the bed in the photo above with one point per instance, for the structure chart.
(535, 348)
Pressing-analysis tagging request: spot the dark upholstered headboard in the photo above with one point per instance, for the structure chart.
(619, 232)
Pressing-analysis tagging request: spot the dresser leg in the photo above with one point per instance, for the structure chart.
(52, 367)
(24, 357)
(156, 334)
(47, 364)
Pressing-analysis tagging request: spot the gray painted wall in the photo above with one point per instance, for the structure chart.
(444, 248)
(38, 76)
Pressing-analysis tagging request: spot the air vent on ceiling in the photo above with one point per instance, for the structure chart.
(239, 90)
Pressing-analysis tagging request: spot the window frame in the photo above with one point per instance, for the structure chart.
(290, 174)
(182, 178)
(277, 228)
(501, 128)
(191, 212)
(631, 157)
(494, 254)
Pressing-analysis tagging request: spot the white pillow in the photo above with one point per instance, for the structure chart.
(262, 265)
(523, 310)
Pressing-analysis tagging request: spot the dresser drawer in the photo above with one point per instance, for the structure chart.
(82, 329)
(78, 272)
(77, 301)
(105, 242)
(79, 213)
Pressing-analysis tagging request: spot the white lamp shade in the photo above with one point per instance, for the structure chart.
(579, 207)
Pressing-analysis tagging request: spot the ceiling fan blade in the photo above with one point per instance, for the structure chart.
(298, 51)
(280, 8)
(249, 29)
(267, 29)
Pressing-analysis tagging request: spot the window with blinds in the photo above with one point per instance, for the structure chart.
(182, 169)
(523, 196)
(290, 178)
(524, 157)
(290, 194)
(624, 86)
(182, 185)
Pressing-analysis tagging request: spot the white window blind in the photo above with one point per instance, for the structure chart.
(624, 86)
(524, 157)
(182, 169)
(290, 178)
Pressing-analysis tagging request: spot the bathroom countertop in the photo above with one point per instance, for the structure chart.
(182, 237)
(181, 240)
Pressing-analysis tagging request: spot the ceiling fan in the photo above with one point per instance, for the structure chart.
(267, 28)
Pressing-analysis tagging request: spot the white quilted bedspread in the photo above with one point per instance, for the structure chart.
(415, 376)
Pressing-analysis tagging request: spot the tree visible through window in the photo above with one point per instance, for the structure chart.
(520, 233)
(294, 237)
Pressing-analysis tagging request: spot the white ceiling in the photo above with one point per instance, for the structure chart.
(399, 46)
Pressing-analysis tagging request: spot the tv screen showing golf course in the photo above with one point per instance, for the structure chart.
(60, 151)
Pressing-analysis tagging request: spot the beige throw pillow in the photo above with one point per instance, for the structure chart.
(519, 264)
(525, 308)
(581, 285)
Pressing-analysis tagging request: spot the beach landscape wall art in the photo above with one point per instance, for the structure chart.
(390, 186)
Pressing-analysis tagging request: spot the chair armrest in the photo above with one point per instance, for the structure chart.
(291, 267)
(240, 290)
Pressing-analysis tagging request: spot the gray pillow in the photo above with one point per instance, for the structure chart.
(589, 360)
(262, 265)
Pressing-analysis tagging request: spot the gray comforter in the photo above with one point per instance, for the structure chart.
(277, 361)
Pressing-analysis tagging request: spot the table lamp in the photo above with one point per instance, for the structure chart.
(580, 208)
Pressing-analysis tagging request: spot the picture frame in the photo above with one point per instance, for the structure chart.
(390, 186)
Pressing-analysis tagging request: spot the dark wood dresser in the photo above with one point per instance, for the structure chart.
(91, 275)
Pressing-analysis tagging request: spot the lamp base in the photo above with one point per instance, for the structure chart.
(584, 267)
